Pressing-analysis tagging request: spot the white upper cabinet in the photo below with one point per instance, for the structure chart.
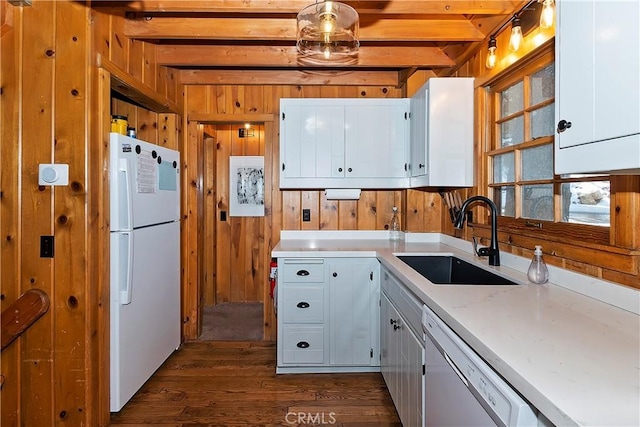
(344, 143)
(597, 87)
(442, 133)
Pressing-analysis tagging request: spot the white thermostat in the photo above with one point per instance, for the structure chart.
(53, 174)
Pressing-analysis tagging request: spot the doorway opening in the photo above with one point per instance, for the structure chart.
(233, 273)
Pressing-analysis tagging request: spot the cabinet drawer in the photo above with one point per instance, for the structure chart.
(302, 304)
(303, 345)
(302, 270)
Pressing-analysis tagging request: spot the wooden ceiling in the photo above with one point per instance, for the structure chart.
(253, 41)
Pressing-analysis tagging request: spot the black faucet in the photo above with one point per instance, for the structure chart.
(492, 251)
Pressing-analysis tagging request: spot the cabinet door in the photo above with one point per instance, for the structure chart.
(312, 140)
(442, 133)
(598, 72)
(412, 373)
(390, 348)
(376, 139)
(353, 296)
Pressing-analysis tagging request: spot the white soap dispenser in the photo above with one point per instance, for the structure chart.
(538, 271)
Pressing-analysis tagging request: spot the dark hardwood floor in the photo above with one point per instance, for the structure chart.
(232, 383)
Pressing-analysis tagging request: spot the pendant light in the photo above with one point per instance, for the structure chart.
(516, 34)
(491, 56)
(547, 14)
(327, 31)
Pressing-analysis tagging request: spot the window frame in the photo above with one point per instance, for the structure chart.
(549, 230)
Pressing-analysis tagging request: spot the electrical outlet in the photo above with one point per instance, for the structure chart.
(306, 215)
(47, 246)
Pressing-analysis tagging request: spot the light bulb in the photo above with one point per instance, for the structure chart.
(327, 52)
(516, 35)
(491, 56)
(546, 16)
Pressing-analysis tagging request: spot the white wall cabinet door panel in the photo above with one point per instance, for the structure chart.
(442, 133)
(313, 140)
(597, 87)
(376, 139)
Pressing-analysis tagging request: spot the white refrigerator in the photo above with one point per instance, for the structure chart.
(145, 262)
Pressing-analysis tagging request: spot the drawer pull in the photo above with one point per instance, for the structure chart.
(303, 304)
(303, 344)
(302, 273)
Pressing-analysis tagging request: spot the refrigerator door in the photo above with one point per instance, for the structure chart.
(144, 183)
(146, 330)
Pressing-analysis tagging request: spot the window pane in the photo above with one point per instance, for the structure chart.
(542, 84)
(505, 200)
(503, 168)
(512, 131)
(542, 121)
(586, 202)
(511, 100)
(537, 163)
(537, 201)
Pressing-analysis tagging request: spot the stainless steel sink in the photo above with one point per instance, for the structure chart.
(450, 270)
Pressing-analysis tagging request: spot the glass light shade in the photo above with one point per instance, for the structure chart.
(547, 14)
(328, 31)
(516, 35)
(491, 56)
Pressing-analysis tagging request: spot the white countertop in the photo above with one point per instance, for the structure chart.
(574, 357)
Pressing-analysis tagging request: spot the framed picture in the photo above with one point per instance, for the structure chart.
(246, 181)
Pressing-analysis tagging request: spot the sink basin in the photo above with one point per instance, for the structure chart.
(450, 270)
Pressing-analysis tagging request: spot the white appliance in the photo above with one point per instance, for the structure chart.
(145, 262)
(461, 389)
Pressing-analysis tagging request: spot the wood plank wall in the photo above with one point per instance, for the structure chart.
(55, 109)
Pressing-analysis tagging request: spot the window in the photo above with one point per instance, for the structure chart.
(520, 154)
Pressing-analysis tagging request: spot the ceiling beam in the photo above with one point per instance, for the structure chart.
(264, 29)
(408, 7)
(287, 57)
(289, 77)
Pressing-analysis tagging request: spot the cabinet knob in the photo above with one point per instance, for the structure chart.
(303, 304)
(339, 169)
(563, 125)
(335, 274)
(302, 273)
(392, 322)
(396, 327)
(349, 170)
(302, 344)
(421, 166)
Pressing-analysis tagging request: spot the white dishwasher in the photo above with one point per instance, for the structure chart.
(461, 389)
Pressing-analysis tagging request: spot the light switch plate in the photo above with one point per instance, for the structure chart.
(53, 174)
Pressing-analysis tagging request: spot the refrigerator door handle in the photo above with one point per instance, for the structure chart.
(125, 294)
(124, 168)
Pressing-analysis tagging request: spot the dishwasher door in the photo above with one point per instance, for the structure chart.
(461, 389)
(448, 401)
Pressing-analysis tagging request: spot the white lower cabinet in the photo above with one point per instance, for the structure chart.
(402, 350)
(328, 315)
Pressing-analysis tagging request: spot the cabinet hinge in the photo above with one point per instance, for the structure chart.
(423, 370)
(371, 353)
(282, 116)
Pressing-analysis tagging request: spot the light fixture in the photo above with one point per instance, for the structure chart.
(246, 131)
(327, 31)
(547, 14)
(491, 56)
(516, 34)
